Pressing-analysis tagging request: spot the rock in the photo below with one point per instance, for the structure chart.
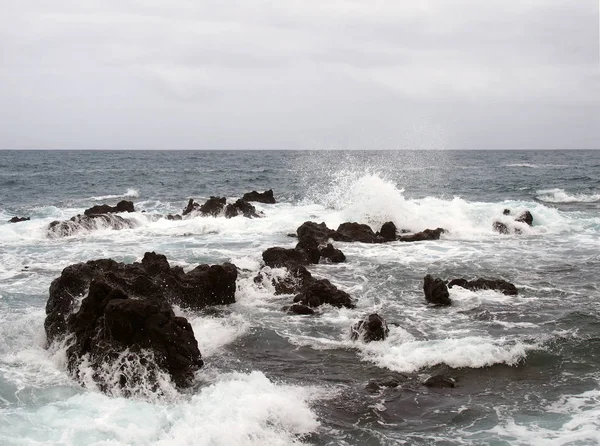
(122, 206)
(440, 381)
(283, 257)
(110, 324)
(241, 207)
(436, 291)
(486, 284)
(152, 279)
(525, 217)
(213, 206)
(391, 381)
(300, 309)
(319, 292)
(18, 219)
(298, 278)
(506, 212)
(312, 231)
(89, 223)
(388, 231)
(332, 254)
(356, 232)
(191, 207)
(500, 227)
(371, 328)
(427, 234)
(173, 217)
(265, 197)
(310, 247)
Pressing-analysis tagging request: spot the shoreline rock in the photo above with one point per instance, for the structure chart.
(264, 197)
(122, 206)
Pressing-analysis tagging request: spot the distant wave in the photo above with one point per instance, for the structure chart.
(131, 193)
(531, 166)
(561, 196)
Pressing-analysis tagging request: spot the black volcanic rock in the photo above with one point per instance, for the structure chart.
(525, 217)
(300, 309)
(264, 197)
(500, 228)
(152, 279)
(213, 206)
(486, 284)
(241, 207)
(277, 257)
(356, 232)
(309, 232)
(427, 234)
(371, 328)
(332, 254)
(110, 324)
(88, 223)
(388, 231)
(122, 206)
(322, 291)
(18, 219)
(436, 291)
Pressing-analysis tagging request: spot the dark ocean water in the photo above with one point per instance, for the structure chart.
(526, 366)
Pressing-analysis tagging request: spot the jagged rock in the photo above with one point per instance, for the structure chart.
(152, 279)
(356, 232)
(440, 381)
(173, 217)
(310, 247)
(427, 234)
(319, 292)
(312, 231)
(371, 328)
(388, 231)
(299, 309)
(88, 223)
(279, 257)
(436, 291)
(191, 207)
(298, 277)
(486, 284)
(122, 206)
(18, 219)
(332, 254)
(110, 324)
(525, 217)
(241, 207)
(213, 206)
(264, 197)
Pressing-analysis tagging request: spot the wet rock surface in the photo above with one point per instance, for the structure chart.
(371, 328)
(486, 284)
(436, 291)
(122, 206)
(260, 197)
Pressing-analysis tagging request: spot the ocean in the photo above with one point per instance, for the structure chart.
(526, 367)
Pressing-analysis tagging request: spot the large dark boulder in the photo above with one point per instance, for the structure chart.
(371, 328)
(18, 219)
(241, 207)
(486, 284)
(213, 206)
(297, 278)
(332, 254)
(91, 222)
(318, 232)
(427, 234)
(264, 197)
(134, 338)
(322, 291)
(284, 257)
(151, 279)
(436, 291)
(525, 217)
(356, 232)
(122, 206)
(388, 231)
(191, 207)
(500, 228)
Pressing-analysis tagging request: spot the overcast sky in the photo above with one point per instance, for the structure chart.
(295, 74)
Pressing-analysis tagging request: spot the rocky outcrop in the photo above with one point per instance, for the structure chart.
(151, 279)
(332, 254)
(427, 234)
(92, 222)
(525, 217)
(486, 284)
(18, 219)
(319, 292)
(436, 291)
(284, 257)
(112, 330)
(356, 232)
(213, 206)
(440, 381)
(388, 231)
(371, 328)
(241, 207)
(173, 217)
(310, 231)
(122, 206)
(264, 197)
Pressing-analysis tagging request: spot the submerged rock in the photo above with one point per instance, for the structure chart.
(436, 291)
(500, 228)
(440, 381)
(122, 206)
(486, 284)
(264, 197)
(18, 219)
(371, 328)
(427, 234)
(390, 381)
(89, 223)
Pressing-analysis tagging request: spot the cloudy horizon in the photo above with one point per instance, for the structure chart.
(300, 74)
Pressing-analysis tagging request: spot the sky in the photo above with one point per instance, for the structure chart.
(300, 74)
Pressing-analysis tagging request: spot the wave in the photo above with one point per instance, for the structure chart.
(561, 196)
(130, 193)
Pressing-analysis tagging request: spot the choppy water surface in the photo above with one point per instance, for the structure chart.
(526, 366)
